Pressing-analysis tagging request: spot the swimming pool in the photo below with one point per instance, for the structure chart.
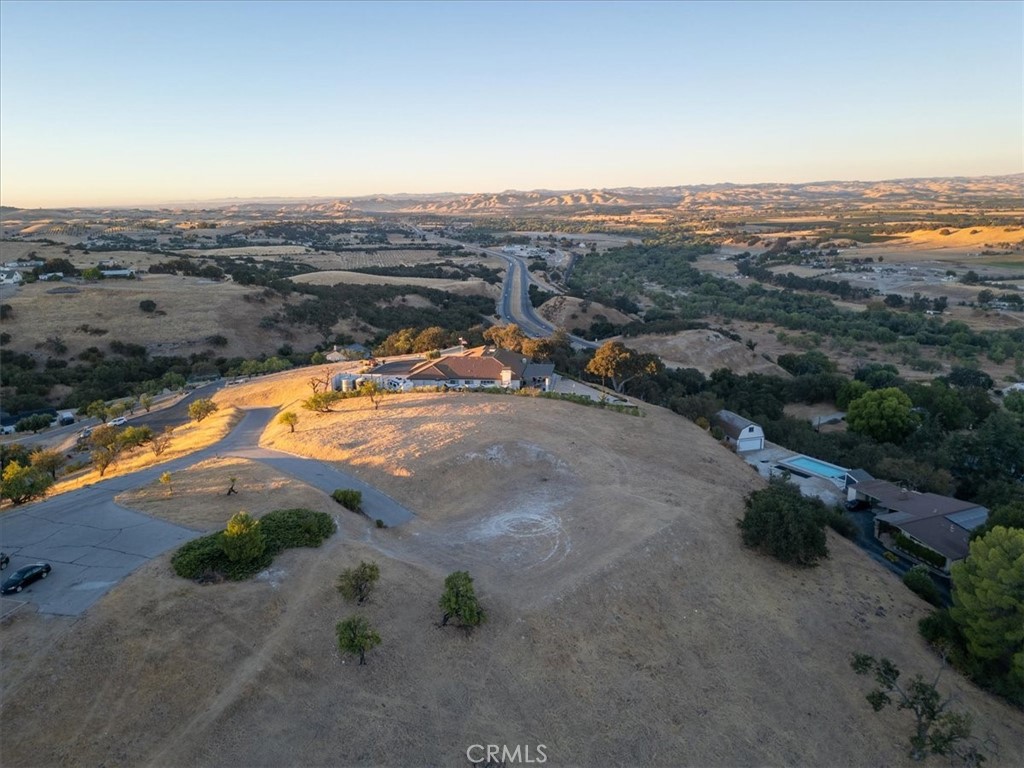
(815, 467)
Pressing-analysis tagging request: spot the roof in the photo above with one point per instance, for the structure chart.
(859, 476)
(479, 363)
(538, 371)
(912, 503)
(732, 423)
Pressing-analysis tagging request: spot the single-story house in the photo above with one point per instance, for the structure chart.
(938, 523)
(742, 434)
(465, 369)
(124, 272)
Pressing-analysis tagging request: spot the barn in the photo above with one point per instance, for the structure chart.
(742, 434)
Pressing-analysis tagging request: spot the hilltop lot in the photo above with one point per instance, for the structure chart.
(626, 623)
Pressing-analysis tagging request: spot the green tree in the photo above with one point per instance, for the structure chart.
(356, 636)
(322, 401)
(1010, 515)
(883, 414)
(289, 418)
(23, 483)
(33, 423)
(785, 524)
(92, 273)
(988, 604)
(97, 409)
(1014, 402)
(201, 408)
(510, 337)
(434, 337)
(617, 362)
(357, 583)
(146, 401)
(147, 305)
(131, 438)
(242, 539)
(938, 730)
(48, 461)
(459, 601)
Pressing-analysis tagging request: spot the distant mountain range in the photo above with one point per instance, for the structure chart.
(980, 191)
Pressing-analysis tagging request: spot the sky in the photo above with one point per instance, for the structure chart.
(144, 102)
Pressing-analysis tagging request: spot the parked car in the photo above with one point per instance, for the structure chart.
(120, 421)
(22, 577)
(5, 560)
(85, 434)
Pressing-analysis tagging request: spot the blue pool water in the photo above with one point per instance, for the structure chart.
(820, 468)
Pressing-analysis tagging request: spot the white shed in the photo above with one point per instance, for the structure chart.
(743, 434)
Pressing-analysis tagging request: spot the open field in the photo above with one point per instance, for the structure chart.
(626, 622)
(473, 286)
(706, 351)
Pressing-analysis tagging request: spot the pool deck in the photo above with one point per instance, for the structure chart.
(766, 459)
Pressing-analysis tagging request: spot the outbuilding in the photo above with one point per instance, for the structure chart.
(742, 434)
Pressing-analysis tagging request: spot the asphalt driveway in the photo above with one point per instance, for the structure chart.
(92, 542)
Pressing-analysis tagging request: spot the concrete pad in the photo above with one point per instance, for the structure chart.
(24, 530)
(107, 516)
(54, 555)
(99, 556)
(77, 536)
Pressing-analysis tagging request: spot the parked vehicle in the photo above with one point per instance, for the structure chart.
(120, 421)
(5, 560)
(22, 577)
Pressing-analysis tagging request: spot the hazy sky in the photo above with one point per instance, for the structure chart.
(140, 102)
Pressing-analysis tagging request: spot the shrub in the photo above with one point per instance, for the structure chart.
(919, 551)
(348, 498)
(243, 540)
(147, 305)
(841, 524)
(282, 529)
(919, 581)
(201, 408)
(290, 528)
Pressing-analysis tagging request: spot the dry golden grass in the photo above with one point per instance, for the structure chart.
(652, 636)
(197, 497)
(461, 287)
(707, 351)
(186, 439)
(570, 312)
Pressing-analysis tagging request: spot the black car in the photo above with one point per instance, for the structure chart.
(5, 560)
(22, 577)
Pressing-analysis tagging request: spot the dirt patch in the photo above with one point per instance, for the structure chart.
(570, 312)
(706, 351)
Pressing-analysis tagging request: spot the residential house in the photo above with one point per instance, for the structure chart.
(937, 523)
(10, 277)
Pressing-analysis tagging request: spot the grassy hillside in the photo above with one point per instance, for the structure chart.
(627, 624)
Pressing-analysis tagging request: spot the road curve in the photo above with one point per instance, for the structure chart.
(93, 543)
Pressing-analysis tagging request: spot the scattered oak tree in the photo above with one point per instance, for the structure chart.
(159, 443)
(617, 362)
(356, 636)
(48, 461)
(459, 601)
(23, 483)
(374, 391)
(938, 730)
(322, 401)
(785, 524)
(201, 408)
(357, 583)
(883, 414)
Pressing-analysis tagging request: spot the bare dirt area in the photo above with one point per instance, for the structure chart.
(626, 623)
(570, 312)
(706, 351)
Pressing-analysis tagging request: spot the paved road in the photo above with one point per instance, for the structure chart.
(93, 543)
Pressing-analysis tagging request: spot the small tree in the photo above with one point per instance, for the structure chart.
(349, 498)
(147, 305)
(242, 539)
(146, 401)
(356, 636)
(159, 443)
(459, 601)
(785, 524)
(23, 483)
(322, 401)
(289, 418)
(937, 729)
(201, 408)
(165, 479)
(374, 391)
(357, 583)
(48, 461)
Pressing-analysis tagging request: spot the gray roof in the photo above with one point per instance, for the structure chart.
(859, 476)
(731, 423)
(538, 371)
(912, 503)
(938, 532)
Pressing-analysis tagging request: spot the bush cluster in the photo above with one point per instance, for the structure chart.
(282, 529)
(348, 498)
(919, 581)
